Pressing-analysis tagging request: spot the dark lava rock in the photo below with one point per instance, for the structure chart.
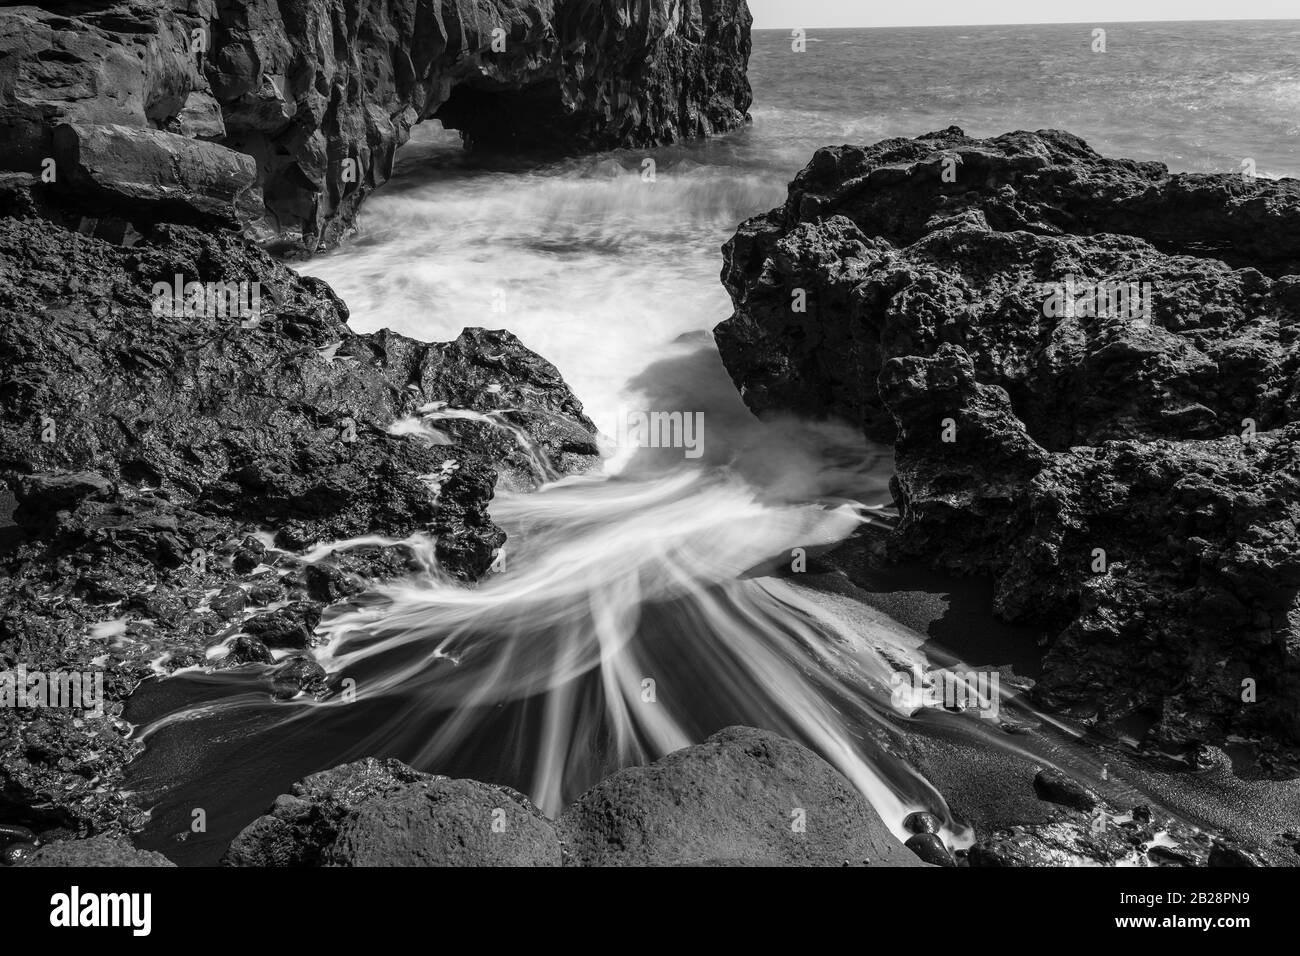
(297, 675)
(384, 813)
(1129, 479)
(445, 822)
(1222, 854)
(1164, 856)
(248, 557)
(229, 603)
(144, 452)
(930, 848)
(264, 592)
(294, 110)
(249, 650)
(287, 627)
(1058, 788)
(742, 794)
(920, 822)
(328, 584)
(107, 850)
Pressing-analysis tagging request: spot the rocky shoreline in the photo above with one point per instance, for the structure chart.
(1129, 480)
(195, 482)
(170, 473)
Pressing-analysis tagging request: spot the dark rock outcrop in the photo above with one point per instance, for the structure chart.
(383, 813)
(1126, 468)
(170, 470)
(285, 115)
(106, 850)
(742, 795)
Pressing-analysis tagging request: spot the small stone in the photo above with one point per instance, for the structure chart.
(229, 603)
(249, 650)
(1056, 787)
(327, 583)
(922, 822)
(930, 848)
(1167, 856)
(1224, 855)
(265, 592)
(298, 675)
(289, 626)
(249, 555)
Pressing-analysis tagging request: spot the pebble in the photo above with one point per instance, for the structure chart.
(297, 675)
(930, 848)
(921, 822)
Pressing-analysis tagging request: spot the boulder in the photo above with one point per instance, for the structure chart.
(384, 813)
(107, 850)
(742, 795)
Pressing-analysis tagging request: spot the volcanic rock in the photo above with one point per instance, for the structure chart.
(743, 794)
(383, 813)
(929, 848)
(152, 455)
(297, 675)
(1125, 467)
(1056, 787)
(106, 850)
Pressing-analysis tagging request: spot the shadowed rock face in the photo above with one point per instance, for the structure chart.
(1160, 429)
(285, 115)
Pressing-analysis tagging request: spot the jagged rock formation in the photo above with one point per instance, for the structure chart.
(285, 115)
(1089, 371)
(171, 467)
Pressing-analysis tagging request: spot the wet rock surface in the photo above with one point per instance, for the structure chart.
(193, 490)
(743, 797)
(1124, 469)
(283, 116)
(383, 813)
(743, 794)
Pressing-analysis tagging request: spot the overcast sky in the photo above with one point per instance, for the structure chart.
(771, 14)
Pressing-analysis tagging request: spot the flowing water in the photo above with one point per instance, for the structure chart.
(637, 610)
